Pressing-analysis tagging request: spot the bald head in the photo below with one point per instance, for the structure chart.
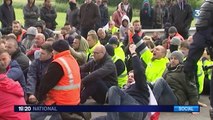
(100, 48)
(99, 52)
(159, 52)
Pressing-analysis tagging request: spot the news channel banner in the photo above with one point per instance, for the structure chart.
(105, 108)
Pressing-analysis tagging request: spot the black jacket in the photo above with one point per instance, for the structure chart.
(22, 59)
(72, 18)
(89, 15)
(103, 70)
(181, 19)
(49, 16)
(7, 15)
(139, 91)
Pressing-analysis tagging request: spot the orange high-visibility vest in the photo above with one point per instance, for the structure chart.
(67, 90)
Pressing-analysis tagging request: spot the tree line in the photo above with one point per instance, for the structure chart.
(138, 3)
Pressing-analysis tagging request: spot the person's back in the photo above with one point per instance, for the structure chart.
(11, 94)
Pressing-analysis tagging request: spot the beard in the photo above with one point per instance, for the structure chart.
(17, 32)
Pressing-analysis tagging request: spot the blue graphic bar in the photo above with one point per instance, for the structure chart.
(104, 108)
(186, 108)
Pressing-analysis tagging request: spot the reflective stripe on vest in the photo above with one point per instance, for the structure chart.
(71, 86)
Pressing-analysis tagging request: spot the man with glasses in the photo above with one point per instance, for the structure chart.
(102, 76)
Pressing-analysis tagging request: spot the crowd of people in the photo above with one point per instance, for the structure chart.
(112, 61)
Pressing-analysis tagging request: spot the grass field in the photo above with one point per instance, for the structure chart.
(18, 4)
(60, 18)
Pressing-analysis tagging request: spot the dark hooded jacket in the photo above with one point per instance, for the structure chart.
(49, 16)
(31, 14)
(21, 59)
(7, 14)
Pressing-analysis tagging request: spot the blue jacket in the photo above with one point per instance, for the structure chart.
(36, 72)
(14, 72)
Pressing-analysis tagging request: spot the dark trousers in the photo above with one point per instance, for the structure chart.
(96, 89)
(201, 39)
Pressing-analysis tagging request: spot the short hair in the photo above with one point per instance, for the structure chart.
(2, 41)
(135, 21)
(10, 38)
(117, 34)
(131, 71)
(93, 34)
(12, 35)
(4, 37)
(47, 47)
(16, 22)
(50, 39)
(184, 44)
(164, 41)
(78, 37)
(65, 28)
(3, 51)
(2, 68)
(66, 23)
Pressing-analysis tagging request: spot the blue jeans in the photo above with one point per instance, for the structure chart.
(45, 116)
(163, 93)
(117, 97)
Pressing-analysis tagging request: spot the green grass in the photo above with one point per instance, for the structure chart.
(18, 4)
(60, 18)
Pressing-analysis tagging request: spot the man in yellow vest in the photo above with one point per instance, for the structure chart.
(155, 61)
